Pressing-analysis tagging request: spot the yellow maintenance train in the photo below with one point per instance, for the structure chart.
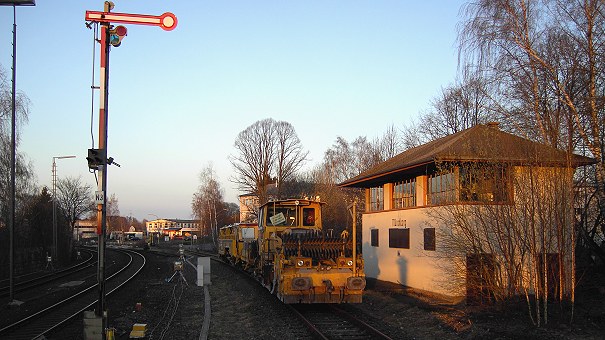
(292, 257)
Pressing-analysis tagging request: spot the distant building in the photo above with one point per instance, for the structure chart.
(479, 168)
(85, 230)
(173, 227)
(248, 207)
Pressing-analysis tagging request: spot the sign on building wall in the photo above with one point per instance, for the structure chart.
(398, 222)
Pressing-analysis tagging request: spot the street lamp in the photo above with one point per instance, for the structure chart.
(11, 214)
(55, 243)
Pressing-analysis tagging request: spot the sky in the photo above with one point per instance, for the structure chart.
(178, 99)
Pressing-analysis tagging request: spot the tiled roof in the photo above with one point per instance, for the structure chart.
(479, 143)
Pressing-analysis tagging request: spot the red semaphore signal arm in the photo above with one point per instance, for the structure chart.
(166, 21)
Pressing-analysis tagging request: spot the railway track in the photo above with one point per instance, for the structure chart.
(325, 321)
(37, 279)
(330, 322)
(43, 321)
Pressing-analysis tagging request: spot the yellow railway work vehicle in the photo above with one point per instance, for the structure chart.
(299, 263)
(226, 240)
(238, 243)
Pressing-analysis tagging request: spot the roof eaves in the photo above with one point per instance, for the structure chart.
(355, 180)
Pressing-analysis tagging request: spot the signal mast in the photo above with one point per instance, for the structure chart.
(97, 158)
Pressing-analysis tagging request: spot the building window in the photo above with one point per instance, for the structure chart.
(429, 239)
(399, 238)
(374, 237)
(376, 198)
(484, 183)
(442, 188)
(404, 194)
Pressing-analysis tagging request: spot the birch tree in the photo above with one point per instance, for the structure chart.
(522, 248)
(548, 59)
(24, 186)
(208, 205)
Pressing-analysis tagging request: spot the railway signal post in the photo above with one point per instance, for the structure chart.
(111, 36)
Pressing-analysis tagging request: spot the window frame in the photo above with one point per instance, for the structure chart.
(399, 238)
(484, 183)
(376, 198)
(430, 239)
(442, 188)
(308, 219)
(374, 237)
(404, 193)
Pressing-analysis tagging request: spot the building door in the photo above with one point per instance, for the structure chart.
(480, 278)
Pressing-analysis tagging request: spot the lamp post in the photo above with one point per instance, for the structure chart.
(55, 243)
(11, 213)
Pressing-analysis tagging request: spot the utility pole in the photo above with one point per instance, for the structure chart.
(97, 158)
(13, 146)
(55, 252)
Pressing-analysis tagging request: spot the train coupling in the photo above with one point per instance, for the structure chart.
(329, 285)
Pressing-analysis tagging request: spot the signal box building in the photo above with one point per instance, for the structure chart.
(404, 230)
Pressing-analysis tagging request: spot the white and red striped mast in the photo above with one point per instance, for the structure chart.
(166, 21)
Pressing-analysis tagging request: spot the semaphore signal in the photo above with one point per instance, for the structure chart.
(166, 21)
(97, 158)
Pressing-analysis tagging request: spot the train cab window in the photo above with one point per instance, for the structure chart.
(308, 216)
(281, 216)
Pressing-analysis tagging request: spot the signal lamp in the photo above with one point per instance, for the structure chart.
(116, 35)
(95, 158)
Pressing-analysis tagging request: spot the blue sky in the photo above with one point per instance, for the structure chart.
(179, 98)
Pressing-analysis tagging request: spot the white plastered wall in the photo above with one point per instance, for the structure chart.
(413, 267)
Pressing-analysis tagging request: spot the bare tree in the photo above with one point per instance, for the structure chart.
(208, 205)
(23, 171)
(456, 108)
(345, 159)
(114, 222)
(389, 145)
(289, 153)
(548, 59)
(523, 247)
(74, 199)
(269, 152)
(22, 103)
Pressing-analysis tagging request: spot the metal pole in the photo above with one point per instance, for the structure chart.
(102, 186)
(11, 214)
(54, 252)
(13, 146)
(55, 249)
